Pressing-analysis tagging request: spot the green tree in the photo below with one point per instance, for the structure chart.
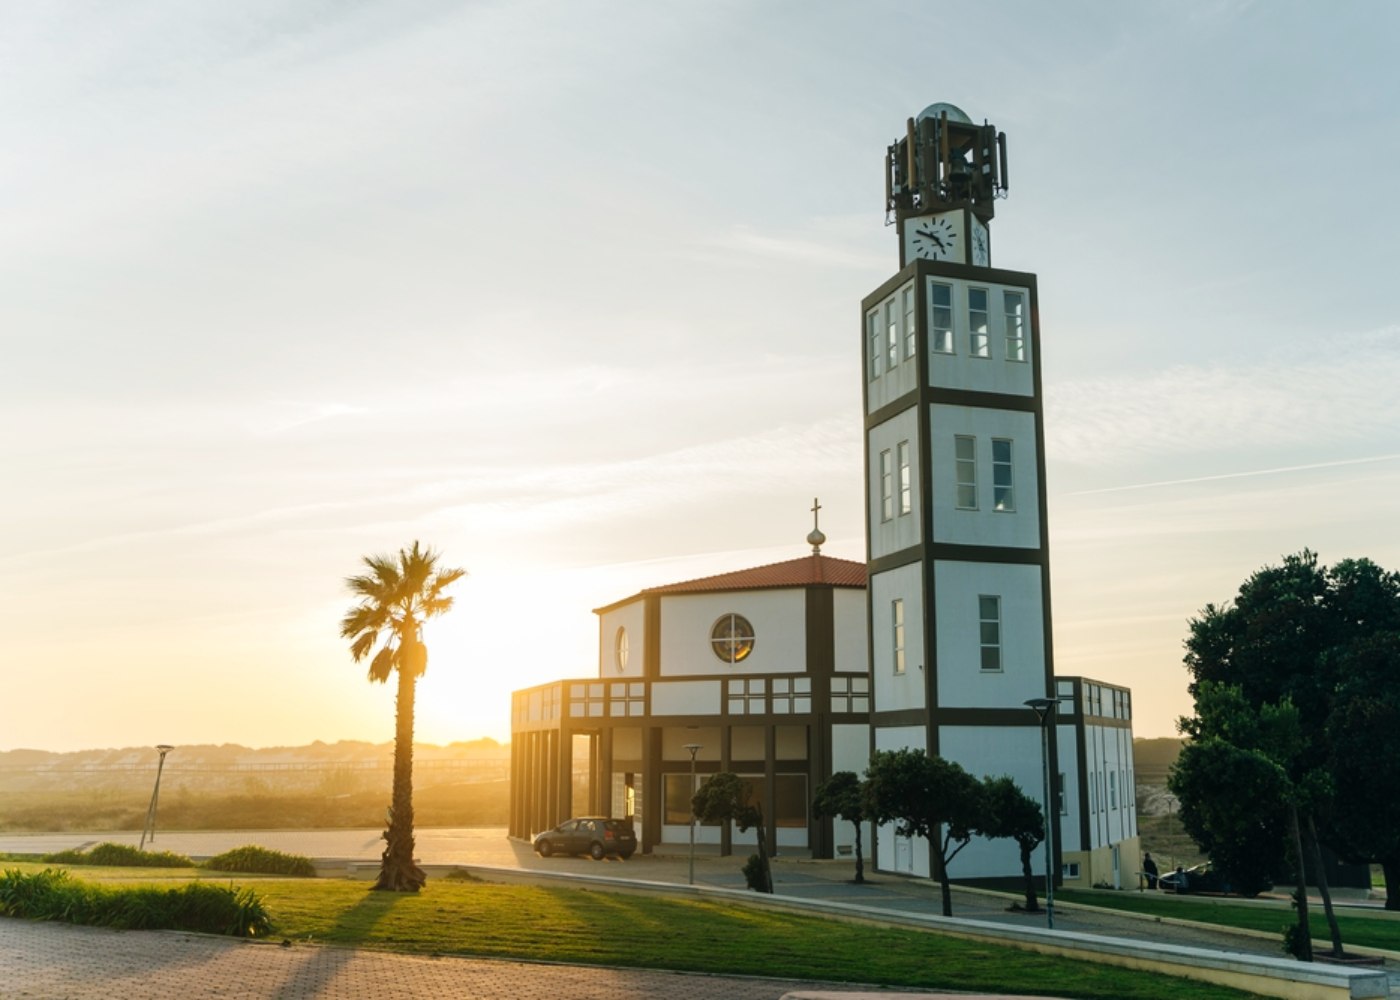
(1364, 726)
(1009, 812)
(843, 795)
(726, 798)
(396, 597)
(926, 796)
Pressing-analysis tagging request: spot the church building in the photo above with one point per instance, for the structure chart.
(763, 672)
(941, 641)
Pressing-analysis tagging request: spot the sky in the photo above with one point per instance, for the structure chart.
(570, 292)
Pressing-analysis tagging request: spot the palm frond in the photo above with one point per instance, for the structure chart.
(363, 644)
(382, 666)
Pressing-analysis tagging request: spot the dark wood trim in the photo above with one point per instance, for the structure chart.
(651, 645)
(1018, 718)
(894, 719)
(997, 554)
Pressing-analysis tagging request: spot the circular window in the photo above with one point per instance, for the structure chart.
(620, 649)
(732, 638)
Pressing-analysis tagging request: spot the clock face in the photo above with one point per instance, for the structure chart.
(933, 237)
(981, 252)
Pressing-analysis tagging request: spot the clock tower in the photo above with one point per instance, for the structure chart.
(958, 562)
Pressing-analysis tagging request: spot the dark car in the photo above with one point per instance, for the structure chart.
(595, 836)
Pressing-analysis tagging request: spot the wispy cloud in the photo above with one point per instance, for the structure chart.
(1251, 473)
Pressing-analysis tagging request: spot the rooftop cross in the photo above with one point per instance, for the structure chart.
(816, 538)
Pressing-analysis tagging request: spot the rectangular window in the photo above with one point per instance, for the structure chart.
(1113, 789)
(910, 342)
(1060, 796)
(897, 632)
(872, 336)
(940, 313)
(1094, 792)
(989, 624)
(979, 343)
(1069, 870)
(891, 336)
(886, 485)
(965, 454)
(1014, 306)
(850, 694)
(906, 486)
(1003, 491)
(748, 696)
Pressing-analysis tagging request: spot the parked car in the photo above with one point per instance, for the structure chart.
(595, 836)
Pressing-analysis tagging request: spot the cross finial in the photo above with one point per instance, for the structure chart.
(816, 538)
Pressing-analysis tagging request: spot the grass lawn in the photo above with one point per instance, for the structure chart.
(629, 930)
(1373, 929)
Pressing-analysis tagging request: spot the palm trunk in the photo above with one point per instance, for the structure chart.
(860, 862)
(1316, 853)
(397, 871)
(1300, 896)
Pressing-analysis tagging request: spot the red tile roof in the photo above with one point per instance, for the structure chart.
(804, 572)
(808, 571)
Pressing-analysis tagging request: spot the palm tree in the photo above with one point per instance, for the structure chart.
(396, 596)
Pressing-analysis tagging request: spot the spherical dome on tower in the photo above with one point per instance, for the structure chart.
(955, 113)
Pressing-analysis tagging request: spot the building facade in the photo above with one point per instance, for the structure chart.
(764, 670)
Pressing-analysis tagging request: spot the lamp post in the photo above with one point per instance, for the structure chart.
(150, 827)
(694, 748)
(1045, 711)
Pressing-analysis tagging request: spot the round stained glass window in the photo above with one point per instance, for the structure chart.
(620, 649)
(732, 638)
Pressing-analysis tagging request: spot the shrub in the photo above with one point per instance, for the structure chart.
(261, 861)
(753, 874)
(194, 906)
(120, 856)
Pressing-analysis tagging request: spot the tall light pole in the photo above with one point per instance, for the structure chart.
(150, 827)
(1045, 711)
(694, 748)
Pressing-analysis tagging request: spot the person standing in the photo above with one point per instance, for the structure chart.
(1149, 868)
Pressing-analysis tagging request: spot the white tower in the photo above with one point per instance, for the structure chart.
(959, 571)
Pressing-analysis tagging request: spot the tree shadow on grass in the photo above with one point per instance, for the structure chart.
(354, 927)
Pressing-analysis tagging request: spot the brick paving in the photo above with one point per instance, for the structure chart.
(53, 961)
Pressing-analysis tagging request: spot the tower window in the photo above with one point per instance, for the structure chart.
(906, 486)
(1014, 306)
(872, 334)
(965, 454)
(732, 638)
(989, 624)
(979, 343)
(940, 302)
(891, 336)
(1003, 491)
(886, 485)
(910, 342)
(897, 632)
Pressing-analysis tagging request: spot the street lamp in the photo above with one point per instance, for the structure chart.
(694, 748)
(1045, 711)
(150, 827)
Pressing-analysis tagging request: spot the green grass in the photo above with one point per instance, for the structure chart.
(1376, 929)
(638, 931)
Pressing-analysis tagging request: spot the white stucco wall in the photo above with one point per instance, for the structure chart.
(904, 378)
(778, 618)
(686, 697)
(962, 683)
(992, 751)
(632, 617)
(962, 370)
(984, 526)
(849, 614)
(897, 691)
(901, 530)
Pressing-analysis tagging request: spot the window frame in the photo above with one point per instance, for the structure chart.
(1015, 323)
(942, 338)
(1003, 494)
(897, 634)
(979, 341)
(906, 479)
(966, 485)
(886, 485)
(996, 645)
